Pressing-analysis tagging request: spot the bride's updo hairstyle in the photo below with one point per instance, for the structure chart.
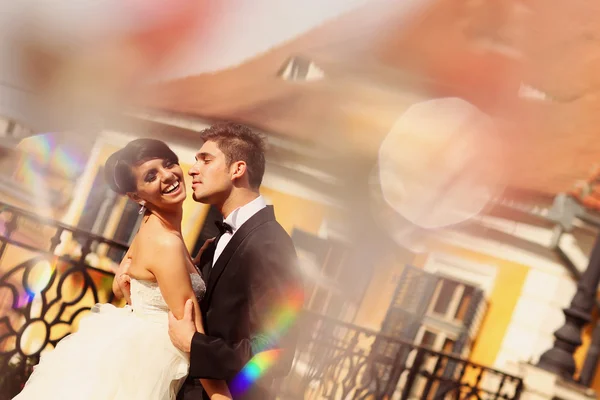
(118, 168)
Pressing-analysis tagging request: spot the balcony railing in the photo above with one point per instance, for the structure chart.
(337, 360)
(50, 276)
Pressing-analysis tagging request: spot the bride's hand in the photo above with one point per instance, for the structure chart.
(204, 246)
(122, 281)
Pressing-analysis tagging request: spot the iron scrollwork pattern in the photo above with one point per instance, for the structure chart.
(50, 276)
(334, 361)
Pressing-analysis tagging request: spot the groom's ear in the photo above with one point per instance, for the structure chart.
(238, 169)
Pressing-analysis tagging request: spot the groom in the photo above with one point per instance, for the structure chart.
(249, 270)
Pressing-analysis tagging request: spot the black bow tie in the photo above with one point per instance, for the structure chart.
(223, 227)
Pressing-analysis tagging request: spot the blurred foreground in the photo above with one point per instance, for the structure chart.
(419, 157)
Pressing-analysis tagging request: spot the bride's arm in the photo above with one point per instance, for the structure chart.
(166, 261)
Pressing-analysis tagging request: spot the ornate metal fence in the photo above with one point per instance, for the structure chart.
(337, 360)
(50, 275)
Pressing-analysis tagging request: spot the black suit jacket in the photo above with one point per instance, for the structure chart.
(256, 272)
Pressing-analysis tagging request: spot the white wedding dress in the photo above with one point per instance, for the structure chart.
(117, 354)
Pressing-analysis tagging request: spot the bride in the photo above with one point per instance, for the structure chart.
(125, 353)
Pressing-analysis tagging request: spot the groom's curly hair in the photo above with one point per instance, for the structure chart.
(240, 143)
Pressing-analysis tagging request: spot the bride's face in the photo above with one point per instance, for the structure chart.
(159, 183)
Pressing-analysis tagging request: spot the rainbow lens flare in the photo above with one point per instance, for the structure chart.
(255, 368)
(280, 320)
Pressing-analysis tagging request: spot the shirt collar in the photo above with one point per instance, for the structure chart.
(245, 212)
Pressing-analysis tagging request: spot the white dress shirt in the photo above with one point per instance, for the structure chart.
(237, 219)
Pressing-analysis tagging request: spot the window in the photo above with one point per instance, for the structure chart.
(458, 304)
(128, 226)
(450, 301)
(435, 339)
(98, 206)
(435, 311)
(431, 310)
(103, 205)
(301, 69)
(447, 316)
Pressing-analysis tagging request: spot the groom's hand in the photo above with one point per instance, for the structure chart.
(181, 331)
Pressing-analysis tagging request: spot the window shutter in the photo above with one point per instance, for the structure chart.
(403, 320)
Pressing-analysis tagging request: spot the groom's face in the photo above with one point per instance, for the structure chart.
(211, 176)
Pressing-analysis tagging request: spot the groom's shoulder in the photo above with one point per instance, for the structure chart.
(270, 233)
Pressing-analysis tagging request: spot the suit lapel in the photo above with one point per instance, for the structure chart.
(206, 260)
(265, 215)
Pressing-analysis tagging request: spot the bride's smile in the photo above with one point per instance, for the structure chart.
(172, 188)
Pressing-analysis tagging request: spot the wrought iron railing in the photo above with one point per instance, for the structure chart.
(337, 360)
(50, 275)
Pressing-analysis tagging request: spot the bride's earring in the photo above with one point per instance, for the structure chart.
(142, 208)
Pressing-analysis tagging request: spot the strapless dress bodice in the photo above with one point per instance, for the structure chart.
(147, 301)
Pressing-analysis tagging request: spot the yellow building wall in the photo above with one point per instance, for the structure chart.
(295, 212)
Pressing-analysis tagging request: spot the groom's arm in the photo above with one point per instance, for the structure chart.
(214, 358)
(275, 284)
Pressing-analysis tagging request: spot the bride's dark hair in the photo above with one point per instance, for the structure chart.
(117, 169)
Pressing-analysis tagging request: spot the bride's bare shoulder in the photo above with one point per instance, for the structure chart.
(160, 241)
(158, 247)
(153, 234)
